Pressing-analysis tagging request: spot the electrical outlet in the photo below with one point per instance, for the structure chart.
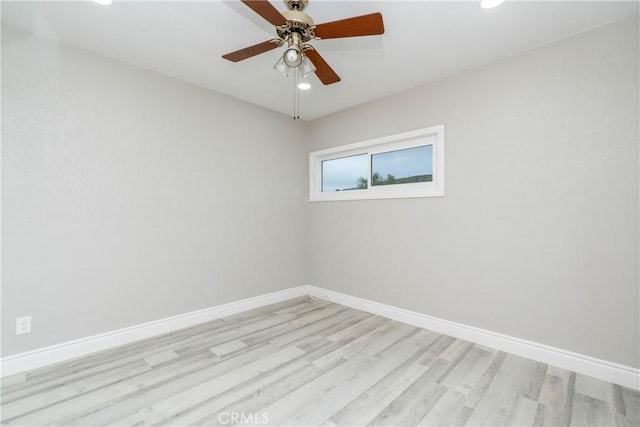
(23, 325)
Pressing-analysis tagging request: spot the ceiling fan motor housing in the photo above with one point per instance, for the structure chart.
(298, 22)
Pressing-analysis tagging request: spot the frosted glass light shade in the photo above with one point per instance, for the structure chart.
(281, 67)
(306, 67)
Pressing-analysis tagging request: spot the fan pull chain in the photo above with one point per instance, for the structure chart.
(298, 91)
(296, 95)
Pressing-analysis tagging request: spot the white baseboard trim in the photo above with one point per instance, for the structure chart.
(38, 358)
(618, 374)
(608, 371)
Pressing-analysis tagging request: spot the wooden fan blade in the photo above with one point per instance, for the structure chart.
(250, 51)
(266, 10)
(324, 72)
(366, 25)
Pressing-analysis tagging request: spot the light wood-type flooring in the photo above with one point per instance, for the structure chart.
(309, 362)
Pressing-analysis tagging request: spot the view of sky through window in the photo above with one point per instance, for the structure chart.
(345, 173)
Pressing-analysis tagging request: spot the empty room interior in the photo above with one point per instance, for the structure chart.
(320, 213)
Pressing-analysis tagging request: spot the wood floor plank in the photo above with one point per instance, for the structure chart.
(13, 380)
(631, 403)
(160, 358)
(282, 306)
(542, 416)
(358, 317)
(593, 387)
(618, 400)
(624, 421)
(229, 333)
(184, 400)
(467, 373)
(568, 406)
(228, 347)
(36, 401)
(485, 380)
(589, 411)
(436, 349)
(516, 378)
(318, 313)
(265, 396)
(214, 404)
(168, 381)
(315, 325)
(455, 350)
(412, 405)
(324, 405)
(455, 357)
(267, 322)
(554, 390)
(351, 347)
(425, 337)
(524, 412)
(300, 400)
(448, 411)
(358, 329)
(387, 336)
(310, 324)
(369, 404)
(552, 400)
(309, 304)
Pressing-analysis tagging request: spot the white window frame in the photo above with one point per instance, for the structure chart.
(433, 135)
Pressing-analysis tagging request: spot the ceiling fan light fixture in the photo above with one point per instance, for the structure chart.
(281, 67)
(304, 86)
(490, 4)
(306, 67)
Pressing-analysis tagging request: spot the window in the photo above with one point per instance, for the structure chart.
(410, 164)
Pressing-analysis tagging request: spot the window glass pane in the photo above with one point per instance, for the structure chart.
(345, 173)
(402, 166)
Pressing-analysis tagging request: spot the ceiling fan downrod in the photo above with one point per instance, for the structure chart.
(296, 4)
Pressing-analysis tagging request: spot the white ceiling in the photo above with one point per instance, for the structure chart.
(424, 41)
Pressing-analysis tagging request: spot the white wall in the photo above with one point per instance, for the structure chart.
(129, 196)
(537, 236)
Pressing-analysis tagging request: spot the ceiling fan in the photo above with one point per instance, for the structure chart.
(295, 29)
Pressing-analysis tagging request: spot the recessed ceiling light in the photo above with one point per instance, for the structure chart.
(105, 2)
(490, 4)
(304, 86)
